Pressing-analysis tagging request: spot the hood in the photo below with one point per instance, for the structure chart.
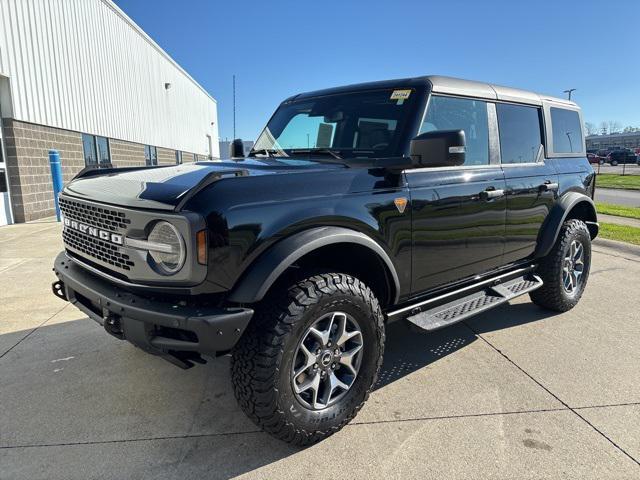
(165, 188)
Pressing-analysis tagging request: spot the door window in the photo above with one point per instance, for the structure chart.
(520, 137)
(449, 113)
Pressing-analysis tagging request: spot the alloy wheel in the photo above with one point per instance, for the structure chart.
(573, 267)
(327, 360)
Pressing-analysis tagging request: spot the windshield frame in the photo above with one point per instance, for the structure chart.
(408, 127)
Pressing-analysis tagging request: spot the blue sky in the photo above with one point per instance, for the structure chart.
(278, 48)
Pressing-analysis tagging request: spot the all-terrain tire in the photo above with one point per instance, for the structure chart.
(553, 295)
(263, 359)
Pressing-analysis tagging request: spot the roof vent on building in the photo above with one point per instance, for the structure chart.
(167, 86)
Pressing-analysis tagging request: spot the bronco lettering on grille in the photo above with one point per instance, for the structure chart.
(93, 231)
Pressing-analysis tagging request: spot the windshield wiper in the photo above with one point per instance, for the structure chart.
(333, 153)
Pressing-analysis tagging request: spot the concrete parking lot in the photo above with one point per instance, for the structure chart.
(515, 393)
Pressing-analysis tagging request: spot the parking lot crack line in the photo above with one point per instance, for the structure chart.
(573, 410)
(132, 440)
(32, 331)
(10, 267)
(603, 252)
(464, 415)
(612, 405)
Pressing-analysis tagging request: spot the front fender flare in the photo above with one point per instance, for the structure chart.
(261, 275)
(559, 213)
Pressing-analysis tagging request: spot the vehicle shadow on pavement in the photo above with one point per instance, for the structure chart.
(409, 348)
(71, 384)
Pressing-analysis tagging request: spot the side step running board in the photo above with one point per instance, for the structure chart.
(466, 306)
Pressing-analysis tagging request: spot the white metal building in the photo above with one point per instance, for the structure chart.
(81, 77)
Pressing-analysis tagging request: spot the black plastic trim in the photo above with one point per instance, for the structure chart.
(269, 266)
(553, 223)
(216, 329)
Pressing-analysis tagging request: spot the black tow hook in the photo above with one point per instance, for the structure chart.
(59, 290)
(113, 324)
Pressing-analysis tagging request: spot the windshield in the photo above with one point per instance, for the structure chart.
(347, 125)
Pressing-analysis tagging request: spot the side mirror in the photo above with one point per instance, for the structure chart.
(236, 148)
(440, 148)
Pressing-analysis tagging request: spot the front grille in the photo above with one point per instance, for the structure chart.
(96, 248)
(100, 217)
(89, 246)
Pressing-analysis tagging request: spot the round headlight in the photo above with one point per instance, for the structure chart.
(166, 247)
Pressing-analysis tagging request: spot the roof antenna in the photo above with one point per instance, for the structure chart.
(234, 106)
(568, 92)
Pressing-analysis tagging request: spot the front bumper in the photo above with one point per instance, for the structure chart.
(174, 330)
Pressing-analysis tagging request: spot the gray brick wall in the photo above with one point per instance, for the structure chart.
(126, 154)
(27, 147)
(166, 156)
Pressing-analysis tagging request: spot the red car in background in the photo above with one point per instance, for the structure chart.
(593, 158)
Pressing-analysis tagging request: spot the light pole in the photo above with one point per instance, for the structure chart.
(234, 107)
(568, 92)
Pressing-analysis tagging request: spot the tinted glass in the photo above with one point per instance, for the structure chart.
(353, 124)
(104, 155)
(447, 113)
(520, 138)
(89, 149)
(567, 134)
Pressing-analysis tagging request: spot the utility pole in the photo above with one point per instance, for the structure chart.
(234, 106)
(568, 92)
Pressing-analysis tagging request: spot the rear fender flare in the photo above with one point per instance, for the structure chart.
(559, 213)
(262, 274)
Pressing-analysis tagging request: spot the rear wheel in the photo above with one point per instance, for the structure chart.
(310, 357)
(565, 269)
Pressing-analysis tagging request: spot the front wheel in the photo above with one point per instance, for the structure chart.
(565, 270)
(310, 357)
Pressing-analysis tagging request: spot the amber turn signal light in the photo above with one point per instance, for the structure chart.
(201, 246)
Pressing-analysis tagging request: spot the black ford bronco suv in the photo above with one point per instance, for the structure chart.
(425, 200)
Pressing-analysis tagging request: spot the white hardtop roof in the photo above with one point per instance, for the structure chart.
(469, 88)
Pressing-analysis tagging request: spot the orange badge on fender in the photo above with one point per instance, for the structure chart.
(401, 204)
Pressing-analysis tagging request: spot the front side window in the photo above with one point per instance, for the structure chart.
(150, 155)
(449, 113)
(567, 133)
(89, 150)
(520, 137)
(353, 124)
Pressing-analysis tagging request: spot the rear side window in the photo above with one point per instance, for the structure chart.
(520, 137)
(449, 113)
(567, 134)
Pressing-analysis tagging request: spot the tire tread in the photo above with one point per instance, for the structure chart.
(254, 363)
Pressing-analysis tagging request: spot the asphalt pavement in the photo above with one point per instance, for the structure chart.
(518, 392)
(618, 196)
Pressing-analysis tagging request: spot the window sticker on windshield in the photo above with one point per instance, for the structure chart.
(400, 96)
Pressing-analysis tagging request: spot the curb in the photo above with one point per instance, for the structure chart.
(622, 247)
